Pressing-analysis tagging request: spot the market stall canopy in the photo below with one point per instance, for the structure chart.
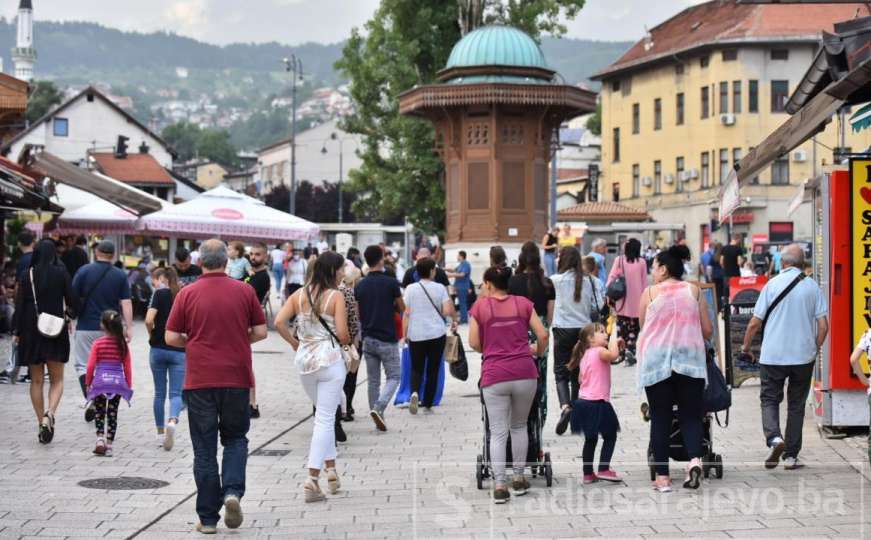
(98, 217)
(57, 169)
(20, 191)
(221, 212)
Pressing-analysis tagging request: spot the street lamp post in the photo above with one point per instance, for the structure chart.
(341, 141)
(293, 65)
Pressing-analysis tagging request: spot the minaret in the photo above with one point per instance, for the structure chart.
(24, 55)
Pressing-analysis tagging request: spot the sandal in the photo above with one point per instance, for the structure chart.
(46, 428)
(313, 491)
(333, 482)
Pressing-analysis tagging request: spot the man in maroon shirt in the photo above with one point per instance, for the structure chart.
(216, 319)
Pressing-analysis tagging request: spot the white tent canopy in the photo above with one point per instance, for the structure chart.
(221, 212)
(98, 217)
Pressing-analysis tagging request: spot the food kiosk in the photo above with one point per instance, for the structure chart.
(842, 265)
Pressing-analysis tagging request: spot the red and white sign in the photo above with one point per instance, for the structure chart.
(759, 239)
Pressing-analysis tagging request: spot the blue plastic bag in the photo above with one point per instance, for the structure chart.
(404, 393)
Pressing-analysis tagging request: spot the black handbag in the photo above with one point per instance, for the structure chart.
(718, 395)
(617, 289)
(460, 368)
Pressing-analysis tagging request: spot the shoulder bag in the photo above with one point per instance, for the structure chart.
(451, 340)
(48, 325)
(717, 396)
(617, 289)
(801, 275)
(597, 313)
(349, 353)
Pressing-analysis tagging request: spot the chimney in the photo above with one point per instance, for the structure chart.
(144, 148)
(121, 147)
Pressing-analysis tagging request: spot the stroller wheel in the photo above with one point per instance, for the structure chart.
(479, 472)
(548, 470)
(718, 466)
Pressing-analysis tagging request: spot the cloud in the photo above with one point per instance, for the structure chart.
(188, 16)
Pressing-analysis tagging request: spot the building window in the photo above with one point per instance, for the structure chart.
(755, 179)
(706, 102)
(780, 54)
(636, 180)
(657, 114)
(615, 192)
(736, 156)
(679, 109)
(780, 171)
(616, 144)
(61, 127)
(626, 87)
(706, 170)
(724, 165)
(679, 170)
(736, 96)
(724, 97)
(730, 55)
(615, 86)
(753, 98)
(678, 69)
(636, 118)
(704, 61)
(657, 177)
(779, 96)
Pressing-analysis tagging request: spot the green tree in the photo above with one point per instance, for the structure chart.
(43, 98)
(404, 44)
(215, 145)
(184, 138)
(594, 121)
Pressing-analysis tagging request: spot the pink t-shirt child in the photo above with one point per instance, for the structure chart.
(595, 376)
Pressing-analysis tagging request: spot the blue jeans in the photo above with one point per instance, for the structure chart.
(549, 263)
(463, 300)
(166, 362)
(278, 275)
(212, 411)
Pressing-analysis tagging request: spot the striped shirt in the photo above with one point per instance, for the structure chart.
(106, 349)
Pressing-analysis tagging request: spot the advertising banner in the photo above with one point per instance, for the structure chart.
(743, 293)
(860, 259)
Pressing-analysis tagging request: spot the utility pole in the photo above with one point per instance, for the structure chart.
(293, 65)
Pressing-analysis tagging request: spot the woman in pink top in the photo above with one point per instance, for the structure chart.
(592, 414)
(499, 329)
(672, 369)
(634, 268)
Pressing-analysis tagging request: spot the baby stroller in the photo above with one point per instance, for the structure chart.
(710, 461)
(536, 458)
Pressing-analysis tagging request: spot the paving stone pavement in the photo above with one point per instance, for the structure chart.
(417, 480)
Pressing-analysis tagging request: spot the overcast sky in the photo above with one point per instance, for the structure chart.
(298, 21)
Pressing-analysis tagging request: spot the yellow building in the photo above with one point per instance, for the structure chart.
(687, 101)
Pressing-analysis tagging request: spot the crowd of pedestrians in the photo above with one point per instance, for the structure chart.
(208, 307)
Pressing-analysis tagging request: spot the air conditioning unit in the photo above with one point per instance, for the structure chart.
(647, 181)
(727, 119)
(799, 156)
(669, 179)
(694, 173)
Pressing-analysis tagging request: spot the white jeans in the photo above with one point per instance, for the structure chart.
(324, 388)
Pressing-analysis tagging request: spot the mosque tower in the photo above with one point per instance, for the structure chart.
(24, 55)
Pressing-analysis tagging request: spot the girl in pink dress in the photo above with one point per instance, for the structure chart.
(592, 414)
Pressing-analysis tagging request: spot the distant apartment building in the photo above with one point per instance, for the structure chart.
(579, 148)
(686, 102)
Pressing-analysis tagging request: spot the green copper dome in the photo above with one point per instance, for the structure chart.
(496, 46)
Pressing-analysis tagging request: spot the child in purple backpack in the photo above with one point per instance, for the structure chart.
(109, 378)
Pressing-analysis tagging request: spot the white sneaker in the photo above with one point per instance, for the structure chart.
(776, 449)
(169, 436)
(791, 464)
(159, 438)
(412, 406)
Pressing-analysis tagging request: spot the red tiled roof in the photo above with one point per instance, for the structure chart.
(602, 211)
(727, 21)
(133, 169)
(570, 174)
